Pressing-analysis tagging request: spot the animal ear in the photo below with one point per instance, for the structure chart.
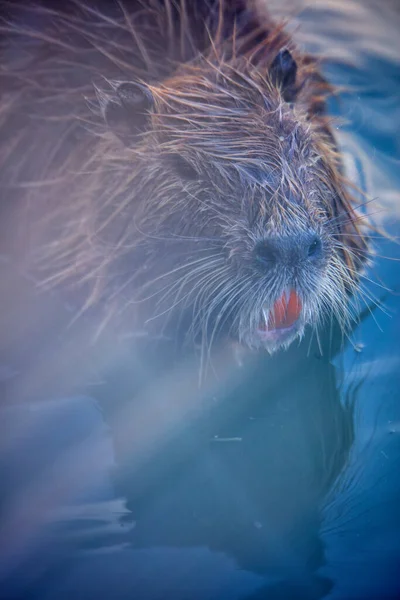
(126, 109)
(283, 73)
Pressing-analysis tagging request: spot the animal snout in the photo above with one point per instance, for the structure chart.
(288, 250)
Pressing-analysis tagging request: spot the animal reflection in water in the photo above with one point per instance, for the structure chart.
(243, 468)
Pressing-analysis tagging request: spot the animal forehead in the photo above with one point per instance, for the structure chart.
(212, 114)
(218, 80)
(202, 97)
(221, 118)
(238, 134)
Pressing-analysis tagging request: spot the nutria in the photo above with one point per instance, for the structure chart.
(180, 156)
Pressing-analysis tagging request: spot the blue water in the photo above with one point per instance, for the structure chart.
(280, 478)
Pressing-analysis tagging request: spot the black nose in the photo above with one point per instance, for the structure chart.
(288, 250)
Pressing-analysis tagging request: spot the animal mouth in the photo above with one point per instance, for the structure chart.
(280, 322)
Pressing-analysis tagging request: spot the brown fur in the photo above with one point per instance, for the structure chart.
(120, 220)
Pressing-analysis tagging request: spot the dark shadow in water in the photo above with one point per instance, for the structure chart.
(247, 471)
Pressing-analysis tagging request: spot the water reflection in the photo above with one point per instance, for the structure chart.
(243, 469)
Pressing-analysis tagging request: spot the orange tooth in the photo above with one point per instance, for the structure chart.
(285, 311)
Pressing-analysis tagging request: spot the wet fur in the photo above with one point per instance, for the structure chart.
(162, 231)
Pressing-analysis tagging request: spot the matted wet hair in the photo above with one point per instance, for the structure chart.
(164, 144)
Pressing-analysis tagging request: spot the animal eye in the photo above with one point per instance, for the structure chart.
(314, 247)
(183, 167)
